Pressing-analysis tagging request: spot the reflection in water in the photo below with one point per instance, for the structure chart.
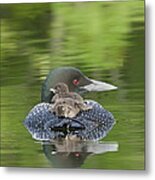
(72, 154)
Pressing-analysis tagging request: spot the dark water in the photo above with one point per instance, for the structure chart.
(105, 40)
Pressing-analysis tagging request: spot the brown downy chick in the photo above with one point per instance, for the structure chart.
(61, 91)
(65, 103)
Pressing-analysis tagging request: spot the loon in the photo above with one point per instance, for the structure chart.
(61, 90)
(74, 79)
(65, 103)
(93, 124)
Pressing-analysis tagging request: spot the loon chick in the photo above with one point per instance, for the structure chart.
(61, 90)
(65, 103)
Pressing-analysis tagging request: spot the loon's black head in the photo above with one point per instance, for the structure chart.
(74, 79)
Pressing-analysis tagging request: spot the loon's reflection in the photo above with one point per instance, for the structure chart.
(72, 154)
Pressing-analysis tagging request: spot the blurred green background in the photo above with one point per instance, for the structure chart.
(105, 40)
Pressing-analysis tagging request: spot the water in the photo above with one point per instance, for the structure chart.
(105, 40)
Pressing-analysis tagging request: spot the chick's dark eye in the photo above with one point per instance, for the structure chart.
(76, 82)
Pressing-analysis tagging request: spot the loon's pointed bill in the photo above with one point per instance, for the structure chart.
(98, 86)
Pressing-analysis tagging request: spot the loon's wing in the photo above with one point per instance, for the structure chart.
(92, 124)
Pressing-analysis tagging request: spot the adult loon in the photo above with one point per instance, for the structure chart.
(74, 79)
(87, 125)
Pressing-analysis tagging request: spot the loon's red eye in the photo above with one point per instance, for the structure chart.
(75, 82)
